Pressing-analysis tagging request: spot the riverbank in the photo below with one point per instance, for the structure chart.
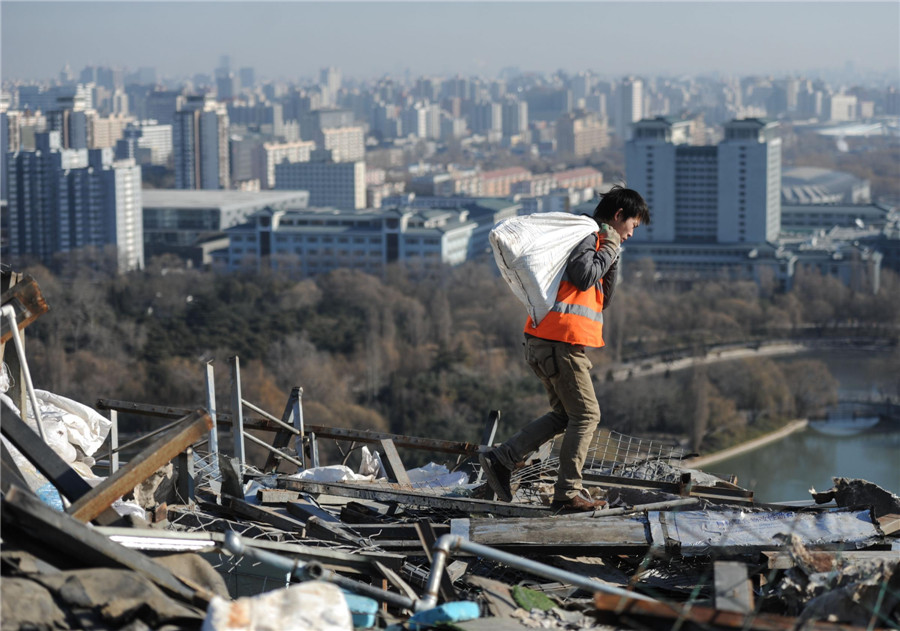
(750, 445)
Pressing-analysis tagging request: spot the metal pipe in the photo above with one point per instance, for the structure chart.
(317, 571)
(314, 571)
(450, 543)
(211, 406)
(10, 314)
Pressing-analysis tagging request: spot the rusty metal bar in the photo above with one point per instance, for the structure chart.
(334, 433)
(283, 437)
(285, 426)
(191, 429)
(266, 445)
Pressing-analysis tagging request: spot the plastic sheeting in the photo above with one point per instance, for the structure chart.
(698, 531)
(310, 606)
(531, 252)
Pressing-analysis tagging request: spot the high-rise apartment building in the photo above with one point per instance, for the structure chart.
(514, 117)
(346, 144)
(629, 105)
(726, 194)
(580, 134)
(200, 145)
(147, 142)
(64, 199)
(272, 153)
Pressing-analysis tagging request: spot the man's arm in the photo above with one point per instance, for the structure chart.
(588, 263)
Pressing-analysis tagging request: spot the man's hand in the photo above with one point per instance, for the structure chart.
(609, 238)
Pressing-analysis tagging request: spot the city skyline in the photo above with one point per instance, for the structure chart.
(293, 40)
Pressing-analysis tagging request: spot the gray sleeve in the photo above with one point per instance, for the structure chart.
(609, 282)
(588, 264)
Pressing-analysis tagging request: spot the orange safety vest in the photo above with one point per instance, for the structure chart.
(575, 318)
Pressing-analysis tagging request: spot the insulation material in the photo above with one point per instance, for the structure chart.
(531, 252)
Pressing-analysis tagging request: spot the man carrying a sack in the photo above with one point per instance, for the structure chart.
(555, 350)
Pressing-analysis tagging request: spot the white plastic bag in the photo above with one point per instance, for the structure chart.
(531, 252)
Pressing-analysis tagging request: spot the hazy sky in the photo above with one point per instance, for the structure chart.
(368, 39)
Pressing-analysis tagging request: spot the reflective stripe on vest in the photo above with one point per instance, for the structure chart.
(576, 317)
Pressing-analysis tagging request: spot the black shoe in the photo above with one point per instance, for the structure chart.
(497, 476)
(576, 504)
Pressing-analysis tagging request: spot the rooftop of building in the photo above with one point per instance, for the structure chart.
(168, 198)
(798, 176)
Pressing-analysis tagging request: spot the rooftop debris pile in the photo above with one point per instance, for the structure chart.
(193, 533)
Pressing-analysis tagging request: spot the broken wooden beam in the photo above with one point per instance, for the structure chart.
(159, 453)
(393, 465)
(657, 615)
(414, 498)
(560, 535)
(263, 514)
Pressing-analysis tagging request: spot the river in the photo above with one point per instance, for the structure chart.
(787, 469)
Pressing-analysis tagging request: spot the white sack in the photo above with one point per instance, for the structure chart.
(331, 473)
(310, 606)
(531, 252)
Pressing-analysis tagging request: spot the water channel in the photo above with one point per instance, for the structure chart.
(787, 469)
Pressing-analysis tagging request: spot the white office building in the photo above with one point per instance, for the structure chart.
(725, 193)
(713, 208)
(316, 241)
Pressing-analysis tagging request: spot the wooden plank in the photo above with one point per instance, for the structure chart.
(276, 496)
(641, 614)
(327, 529)
(395, 579)
(889, 524)
(611, 534)
(60, 534)
(10, 471)
(193, 428)
(829, 558)
(27, 301)
(55, 469)
(263, 514)
(428, 538)
(393, 466)
(415, 498)
(733, 589)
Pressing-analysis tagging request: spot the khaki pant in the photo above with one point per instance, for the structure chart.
(564, 369)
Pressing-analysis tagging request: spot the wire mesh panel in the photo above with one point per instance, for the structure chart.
(610, 453)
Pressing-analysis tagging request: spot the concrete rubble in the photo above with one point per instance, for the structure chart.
(194, 532)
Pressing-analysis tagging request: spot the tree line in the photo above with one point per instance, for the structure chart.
(427, 352)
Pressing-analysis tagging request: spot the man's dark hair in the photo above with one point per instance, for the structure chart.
(631, 203)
